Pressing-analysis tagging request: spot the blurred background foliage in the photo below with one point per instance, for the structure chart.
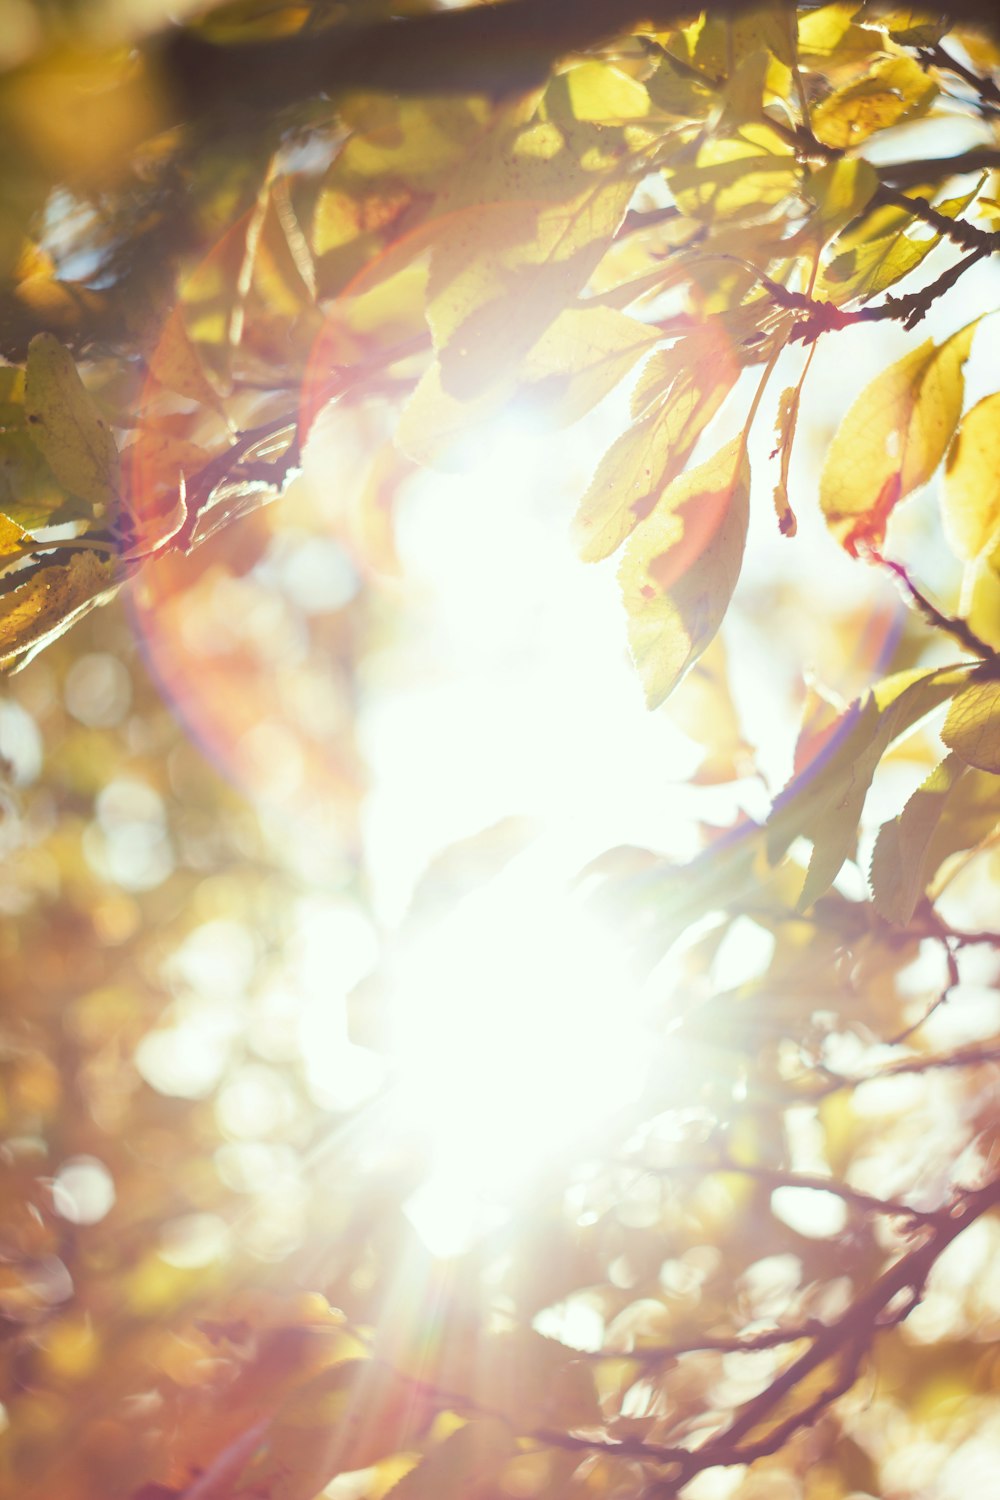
(278, 1219)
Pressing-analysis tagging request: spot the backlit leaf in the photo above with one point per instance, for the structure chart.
(599, 91)
(464, 1459)
(503, 272)
(892, 439)
(176, 364)
(970, 495)
(67, 427)
(583, 356)
(868, 263)
(896, 89)
(692, 380)
(825, 799)
(784, 435)
(680, 569)
(12, 539)
(901, 862)
(840, 190)
(48, 603)
(972, 728)
(740, 177)
(29, 492)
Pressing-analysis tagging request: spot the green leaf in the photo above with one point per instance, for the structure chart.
(970, 495)
(972, 728)
(901, 861)
(67, 427)
(892, 439)
(680, 569)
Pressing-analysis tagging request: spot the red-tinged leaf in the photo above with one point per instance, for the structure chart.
(681, 567)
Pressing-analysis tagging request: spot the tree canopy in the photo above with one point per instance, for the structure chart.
(355, 1147)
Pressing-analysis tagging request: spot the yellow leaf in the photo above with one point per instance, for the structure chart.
(840, 190)
(972, 728)
(599, 91)
(896, 89)
(741, 177)
(681, 567)
(456, 1466)
(577, 361)
(176, 364)
(970, 496)
(12, 537)
(901, 861)
(892, 439)
(66, 426)
(502, 272)
(784, 435)
(692, 380)
(869, 262)
(49, 602)
(825, 798)
(980, 599)
(703, 707)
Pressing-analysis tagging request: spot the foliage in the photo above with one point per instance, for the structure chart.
(230, 244)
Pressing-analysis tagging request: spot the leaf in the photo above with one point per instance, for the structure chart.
(680, 569)
(583, 356)
(892, 440)
(874, 266)
(177, 365)
(740, 177)
(703, 707)
(972, 727)
(502, 272)
(12, 540)
(67, 428)
(29, 493)
(153, 467)
(901, 861)
(896, 89)
(784, 434)
(53, 598)
(841, 190)
(970, 495)
(457, 1465)
(694, 382)
(600, 92)
(825, 799)
(868, 262)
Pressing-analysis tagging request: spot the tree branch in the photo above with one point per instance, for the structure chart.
(968, 236)
(498, 48)
(934, 169)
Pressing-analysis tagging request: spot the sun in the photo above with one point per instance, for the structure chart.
(518, 1039)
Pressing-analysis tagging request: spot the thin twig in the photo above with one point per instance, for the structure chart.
(959, 630)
